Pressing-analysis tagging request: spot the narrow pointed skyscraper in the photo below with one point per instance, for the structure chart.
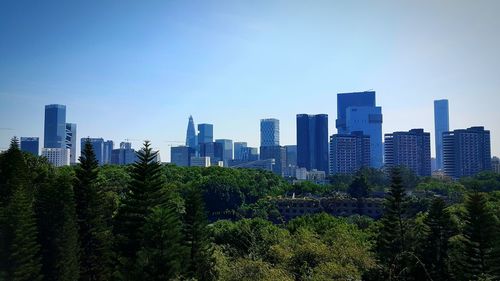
(191, 134)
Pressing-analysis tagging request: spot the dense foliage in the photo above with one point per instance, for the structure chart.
(149, 221)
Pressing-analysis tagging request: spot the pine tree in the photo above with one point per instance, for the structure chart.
(436, 241)
(392, 244)
(200, 263)
(20, 249)
(94, 237)
(162, 253)
(142, 195)
(479, 234)
(58, 233)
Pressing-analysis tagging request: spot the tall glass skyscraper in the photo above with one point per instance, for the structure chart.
(269, 132)
(441, 125)
(55, 126)
(205, 133)
(191, 140)
(238, 150)
(358, 112)
(227, 150)
(30, 144)
(312, 142)
(71, 141)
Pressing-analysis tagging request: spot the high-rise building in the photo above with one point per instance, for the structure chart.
(291, 155)
(312, 142)
(108, 151)
(411, 149)
(30, 144)
(71, 141)
(205, 133)
(276, 152)
(227, 150)
(55, 126)
(191, 138)
(466, 152)
(495, 165)
(441, 125)
(238, 146)
(57, 156)
(269, 132)
(200, 162)
(124, 155)
(97, 146)
(249, 154)
(214, 150)
(358, 112)
(349, 153)
(181, 155)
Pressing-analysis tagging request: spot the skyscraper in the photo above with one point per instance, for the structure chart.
(441, 125)
(238, 146)
(71, 141)
(124, 155)
(349, 153)
(98, 147)
(291, 155)
(466, 152)
(205, 133)
(55, 126)
(358, 112)
(411, 149)
(227, 150)
(57, 156)
(30, 144)
(108, 151)
(191, 139)
(276, 152)
(312, 142)
(269, 132)
(181, 155)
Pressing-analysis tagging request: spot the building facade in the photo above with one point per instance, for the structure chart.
(278, 153)
(57, 156)
(30, 144)
(441, 125)
(312, 142)
(200, 162)
(495, 165)
(349, 153)
(238, 150)
(205, 133)
(358, 112)
(71, 141)
(466, 152)
(55, 126)
(191, 138)
(269, 132)
(108, 151)
(124, 155)
(97, 146)
(181, 155)
(227, 150)
(411, 149)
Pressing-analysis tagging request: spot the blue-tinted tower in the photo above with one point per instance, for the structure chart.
(55, 126)
(191, 139)
(441, 125)
(312, 142)
(30, 144)
(205, 133)
(98, 147)
(269, 132)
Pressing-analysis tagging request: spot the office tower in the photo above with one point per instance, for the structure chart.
(276, 152)
(238, 146)
(411, 149)
(97, 146)
(312, 142)
(291, 155)
(124, 155)
(55, 126)
(495, 165)
(269, 132)
(441, 125)
(30, 144)
(249, 154)
(466, 152)
(227, 150)
(71, 141)
(200, 162)
(57, 156)
(191, 138)
(358, 112)
(214, 150)
(205, 133)
(349, 153)
(109, 145)
(181, 155)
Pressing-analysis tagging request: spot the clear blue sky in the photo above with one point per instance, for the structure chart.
(138, 69)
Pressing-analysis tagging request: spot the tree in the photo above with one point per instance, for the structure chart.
(93, 232)
(58, 231)
(143, 194)
(438, 231)
(392, 244)
(162, 253)
(200, 262)
(479, 237)
(359, 188)
(20, 249)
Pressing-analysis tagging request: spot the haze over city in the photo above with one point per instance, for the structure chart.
(130, 70)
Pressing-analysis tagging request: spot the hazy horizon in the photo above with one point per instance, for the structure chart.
(137, 70)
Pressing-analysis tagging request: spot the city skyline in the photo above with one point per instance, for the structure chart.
(259, 60)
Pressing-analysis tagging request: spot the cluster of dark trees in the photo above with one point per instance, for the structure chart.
(149, 221)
